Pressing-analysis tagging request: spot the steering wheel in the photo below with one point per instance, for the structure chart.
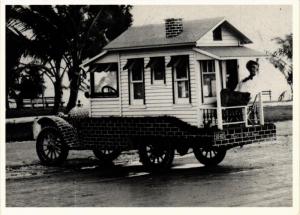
(108, 89)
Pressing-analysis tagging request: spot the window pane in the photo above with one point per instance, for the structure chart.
(181, 68)
(209, 85)
(138, 91)
(159, 71)
(210, 66)
(105, 82)
(136, 73)
(204, 66)
(181, 72)
(217, 34)
(183, 89)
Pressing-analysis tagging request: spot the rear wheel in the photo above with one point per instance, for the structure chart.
(106, 155)
(209, 156)
(50, 146)
(156, 156)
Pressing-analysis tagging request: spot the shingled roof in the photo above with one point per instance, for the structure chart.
(150, 36)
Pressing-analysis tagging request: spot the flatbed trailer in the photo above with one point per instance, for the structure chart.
(158, 89)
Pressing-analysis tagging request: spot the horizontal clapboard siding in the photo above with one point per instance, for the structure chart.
(105, 107)
(228, 39)
(159, 96)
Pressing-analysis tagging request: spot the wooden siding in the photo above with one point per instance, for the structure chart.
(228, 39)
(100, 107)
(159, 96)
(105, 107)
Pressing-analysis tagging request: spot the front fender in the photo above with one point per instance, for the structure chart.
(67, 131)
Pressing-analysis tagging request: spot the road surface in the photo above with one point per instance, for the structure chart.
(255, 175)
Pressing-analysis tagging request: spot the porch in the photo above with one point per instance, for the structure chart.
(249, 115)
(220, 68)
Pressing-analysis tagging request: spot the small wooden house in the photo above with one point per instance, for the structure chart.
(177, 69)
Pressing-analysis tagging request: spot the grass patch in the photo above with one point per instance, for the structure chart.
(278, 113)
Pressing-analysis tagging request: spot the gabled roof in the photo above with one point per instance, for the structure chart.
(150, 36)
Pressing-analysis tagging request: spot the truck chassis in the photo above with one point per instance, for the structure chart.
(156, 139)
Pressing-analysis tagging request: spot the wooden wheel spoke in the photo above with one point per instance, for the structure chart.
(209, 156)
(206, 152)
(48, 153)
(54, 154)
(51, 154)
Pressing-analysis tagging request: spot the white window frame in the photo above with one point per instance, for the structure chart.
(176, 80)
(207, 100)
(132, 82)
(158, 81)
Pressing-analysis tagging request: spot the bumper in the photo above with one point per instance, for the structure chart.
(237, 136)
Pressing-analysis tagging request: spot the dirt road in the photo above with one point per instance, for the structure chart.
(255, 175)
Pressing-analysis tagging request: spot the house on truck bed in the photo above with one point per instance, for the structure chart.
(157, 89)
(177, 69)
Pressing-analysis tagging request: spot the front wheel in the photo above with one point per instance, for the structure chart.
(209, 156)
(50, 146)
(156, 156)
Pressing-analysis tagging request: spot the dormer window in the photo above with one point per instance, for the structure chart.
(217, 34)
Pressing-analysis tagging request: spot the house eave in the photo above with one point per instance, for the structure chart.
(151, 47)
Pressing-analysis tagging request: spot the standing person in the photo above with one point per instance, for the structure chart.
(250, 83)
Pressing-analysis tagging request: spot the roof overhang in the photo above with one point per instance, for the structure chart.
(228, 52)
(89, 61)
(157, 46)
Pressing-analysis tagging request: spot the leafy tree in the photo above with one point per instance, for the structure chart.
(63, 36)
(41, 28)
(89, 28)
(282, 57)
(15, 44)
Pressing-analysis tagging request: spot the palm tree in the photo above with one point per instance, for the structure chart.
(282, 58)
(63, 36)
(41, 26)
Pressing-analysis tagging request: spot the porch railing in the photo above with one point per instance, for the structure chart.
(249, 115)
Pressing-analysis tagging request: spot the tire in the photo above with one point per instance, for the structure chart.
(50, 147)
(106, 155)
(156, 156)
(209, 156)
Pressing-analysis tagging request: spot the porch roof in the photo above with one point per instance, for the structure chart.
(228, 52)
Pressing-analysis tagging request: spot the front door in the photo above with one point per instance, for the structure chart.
(231, 74)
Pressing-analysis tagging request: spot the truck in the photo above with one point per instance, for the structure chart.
(160, 89)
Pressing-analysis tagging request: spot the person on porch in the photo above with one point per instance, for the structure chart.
(250, 84)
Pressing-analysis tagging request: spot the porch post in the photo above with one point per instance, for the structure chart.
(218, 93)
(261, 110)
(223, 63)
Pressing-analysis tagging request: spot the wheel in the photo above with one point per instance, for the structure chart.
(106, 155)
(156, 156)
(50, 146)
(209, 156)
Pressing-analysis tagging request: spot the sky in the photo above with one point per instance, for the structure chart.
(260, 23)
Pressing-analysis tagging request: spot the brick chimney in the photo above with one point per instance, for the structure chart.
(173, 27)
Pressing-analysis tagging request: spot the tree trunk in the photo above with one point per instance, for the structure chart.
(57, 88)
(19, 102)
(57, 96)
(74, 87)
